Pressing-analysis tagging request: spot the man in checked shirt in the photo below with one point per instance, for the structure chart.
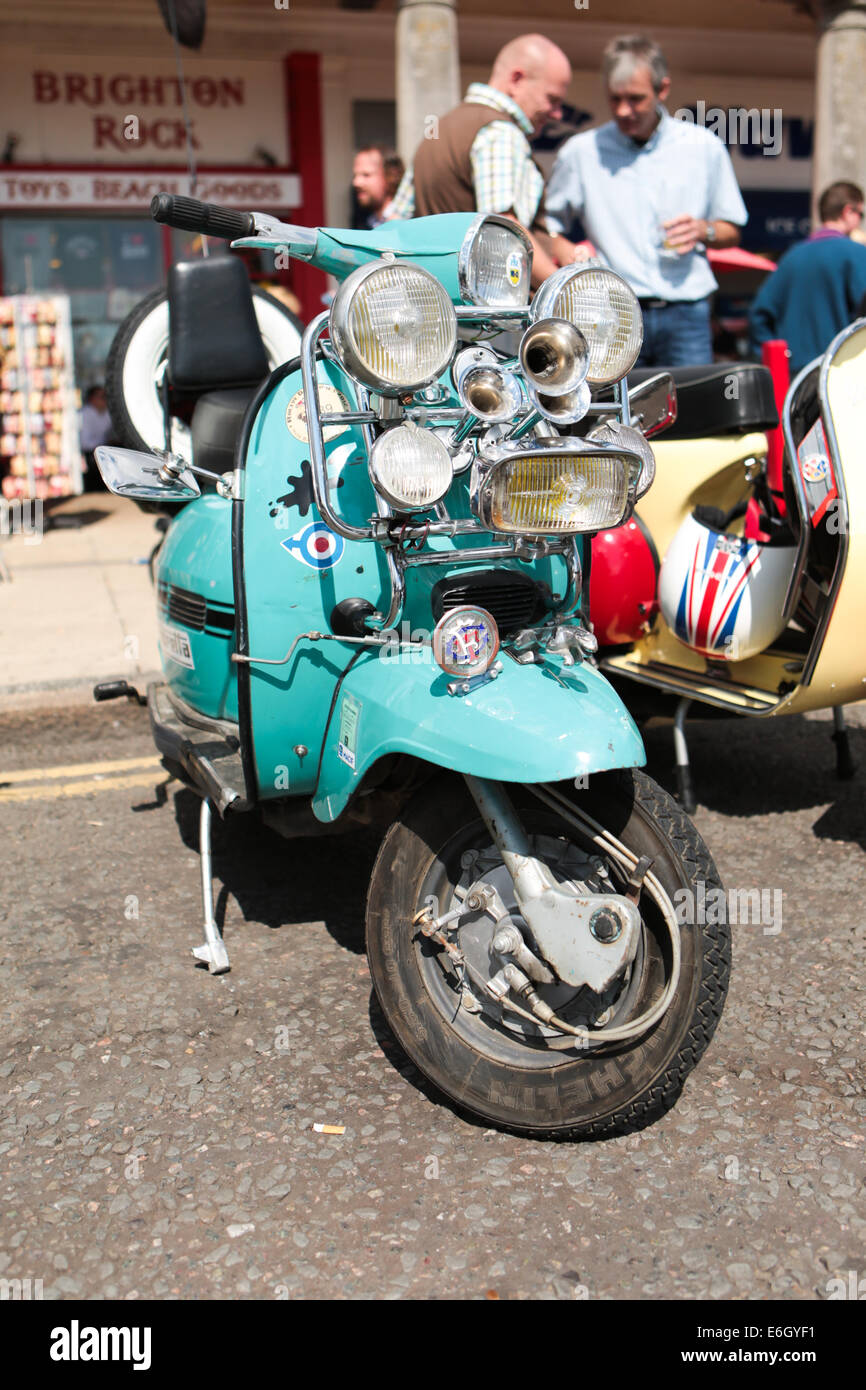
(480, 158)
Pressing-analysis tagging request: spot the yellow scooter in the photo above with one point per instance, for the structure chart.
(739, 585)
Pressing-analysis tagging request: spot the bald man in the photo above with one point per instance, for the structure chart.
(479, 158)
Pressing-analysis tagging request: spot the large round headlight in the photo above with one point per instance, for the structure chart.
(606, 311)
(494, 263)
(410, 468)
(394, 327)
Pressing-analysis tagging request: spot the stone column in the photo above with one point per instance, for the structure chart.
(428, 72)
(840, 95)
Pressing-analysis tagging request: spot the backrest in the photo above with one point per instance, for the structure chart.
(214, 337)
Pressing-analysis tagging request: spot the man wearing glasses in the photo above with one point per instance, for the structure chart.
(820, 283)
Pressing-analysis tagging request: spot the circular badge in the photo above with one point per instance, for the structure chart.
(330, 401)
(814, 468)
(465, 641)
(514, 267)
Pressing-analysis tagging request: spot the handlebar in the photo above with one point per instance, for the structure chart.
(190, 215)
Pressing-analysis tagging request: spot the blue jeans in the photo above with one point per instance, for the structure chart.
(677, 335)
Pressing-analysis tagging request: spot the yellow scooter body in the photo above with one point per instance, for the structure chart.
(712, 472)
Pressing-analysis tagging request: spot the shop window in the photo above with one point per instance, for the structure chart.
(105, 265)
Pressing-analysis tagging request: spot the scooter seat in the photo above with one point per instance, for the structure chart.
(721, 398)
(215, 427)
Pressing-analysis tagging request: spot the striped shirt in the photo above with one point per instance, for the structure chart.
(503, 172)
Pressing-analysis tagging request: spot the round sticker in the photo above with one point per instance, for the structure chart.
(814, 468)
(330, 401)
(514, 267)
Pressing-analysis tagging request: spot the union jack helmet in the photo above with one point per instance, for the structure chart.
(722, 595)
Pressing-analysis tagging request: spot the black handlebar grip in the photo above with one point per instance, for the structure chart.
(190, 215)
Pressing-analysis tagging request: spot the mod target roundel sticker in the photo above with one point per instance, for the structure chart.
(315, 545)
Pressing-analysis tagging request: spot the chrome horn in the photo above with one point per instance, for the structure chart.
(486, 391)
(565, 409)
(554, 356)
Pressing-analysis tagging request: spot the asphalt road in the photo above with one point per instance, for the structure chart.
(157, 1122)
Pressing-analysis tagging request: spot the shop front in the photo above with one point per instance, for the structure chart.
(92, 141)
(87, 142)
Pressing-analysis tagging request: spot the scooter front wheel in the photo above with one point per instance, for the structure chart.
(489, 1059)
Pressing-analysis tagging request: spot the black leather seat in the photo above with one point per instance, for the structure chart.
(722, 398)
(215, 427)
(215, 353)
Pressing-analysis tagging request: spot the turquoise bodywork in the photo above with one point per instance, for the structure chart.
(196, 558)
(320, 721)
(431, 242)
(533, 724)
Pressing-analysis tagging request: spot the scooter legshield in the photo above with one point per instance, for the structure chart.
(534, 723)
(320, 720)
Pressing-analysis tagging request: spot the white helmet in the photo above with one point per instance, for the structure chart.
(722, 595)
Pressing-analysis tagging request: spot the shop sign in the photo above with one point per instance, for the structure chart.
(83, 110)
(27, 190)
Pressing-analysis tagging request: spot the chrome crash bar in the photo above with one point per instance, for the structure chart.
(380, 528)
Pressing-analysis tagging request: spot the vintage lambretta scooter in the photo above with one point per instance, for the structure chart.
(375, 618)
(737, 584)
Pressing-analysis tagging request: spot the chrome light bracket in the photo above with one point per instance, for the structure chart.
(472, 683)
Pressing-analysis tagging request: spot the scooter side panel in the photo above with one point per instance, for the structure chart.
(693, 471)
(840, 674)
(196, 607)
(533, 724)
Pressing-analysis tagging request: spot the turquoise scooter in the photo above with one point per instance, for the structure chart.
(372, 612)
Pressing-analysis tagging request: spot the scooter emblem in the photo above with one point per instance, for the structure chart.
(315, 545)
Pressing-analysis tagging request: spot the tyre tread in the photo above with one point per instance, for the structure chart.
(658, 806)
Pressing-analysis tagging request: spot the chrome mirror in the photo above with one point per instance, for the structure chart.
(144, 477)
(653, 404)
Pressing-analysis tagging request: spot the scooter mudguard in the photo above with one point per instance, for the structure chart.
(535, 723)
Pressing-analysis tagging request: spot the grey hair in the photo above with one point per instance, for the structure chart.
(624, 54)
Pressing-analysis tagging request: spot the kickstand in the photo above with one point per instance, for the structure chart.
(213, 951)
(685, 793)
(845, 764)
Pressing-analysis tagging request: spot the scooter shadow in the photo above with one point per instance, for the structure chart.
(752, 767)
(281, 882)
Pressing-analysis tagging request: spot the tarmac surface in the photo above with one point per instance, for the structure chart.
(156, 1129)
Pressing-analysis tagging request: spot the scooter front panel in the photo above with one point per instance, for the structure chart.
(296, 570)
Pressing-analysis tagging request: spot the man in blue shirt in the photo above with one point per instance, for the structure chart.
(652, 192)
(819, 284)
